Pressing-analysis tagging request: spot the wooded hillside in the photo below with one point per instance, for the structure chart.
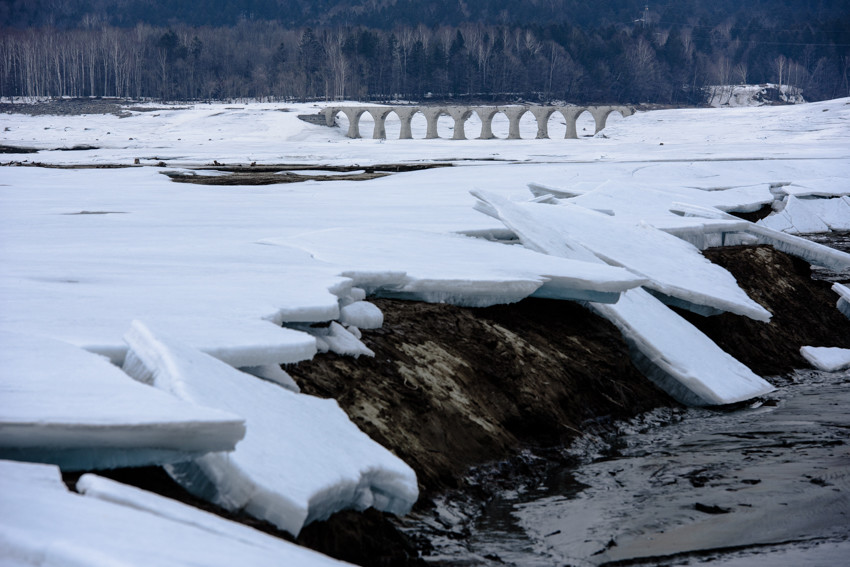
(533, 50)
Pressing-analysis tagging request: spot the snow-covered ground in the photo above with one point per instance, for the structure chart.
(218, 269)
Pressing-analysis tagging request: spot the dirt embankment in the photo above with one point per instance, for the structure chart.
(452, 387)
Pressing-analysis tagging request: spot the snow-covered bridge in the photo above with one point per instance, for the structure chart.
(460, 114)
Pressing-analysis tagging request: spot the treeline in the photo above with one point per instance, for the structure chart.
(646, 60)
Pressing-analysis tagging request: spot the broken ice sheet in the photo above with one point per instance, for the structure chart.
(673, 267)
(302, 459)
(457, 269)
(43, 523)
(60, 404)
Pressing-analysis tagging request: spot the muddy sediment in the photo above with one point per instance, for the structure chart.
(452, 387)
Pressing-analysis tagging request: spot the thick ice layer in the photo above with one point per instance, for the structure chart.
(812, 252)
(673, 267)
(43, 523)
(301, 460)
(651, 203)
(669, 350)
(810, 215)
(679, 357)
(828, 359)
(457, 269)
(63, 405)
(843, 303)
(361, 314)
(240, 342)
(821, 187)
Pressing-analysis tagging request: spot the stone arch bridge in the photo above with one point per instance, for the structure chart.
(460, 114)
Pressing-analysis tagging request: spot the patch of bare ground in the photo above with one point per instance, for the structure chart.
(272, 174)
(803, 308)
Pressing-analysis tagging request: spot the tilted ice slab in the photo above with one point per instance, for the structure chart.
(669, 350)
(43, 523)
(639, 200)
(60, 404)
(674, 268)
(828, 359)
(301, 460)
(810, 215)
(812, 252)
(843, 303)
(458, 269)
(240, 342)
(677, 356)
(822, 187)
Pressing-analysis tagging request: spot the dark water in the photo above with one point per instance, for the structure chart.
(764, 484)
(767, 482)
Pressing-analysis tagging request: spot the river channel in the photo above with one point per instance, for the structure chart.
(766, 483)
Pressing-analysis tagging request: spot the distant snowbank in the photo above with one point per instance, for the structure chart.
(753, 95)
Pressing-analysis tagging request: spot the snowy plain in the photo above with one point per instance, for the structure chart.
(85, 252)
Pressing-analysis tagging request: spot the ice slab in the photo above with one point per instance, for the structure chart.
(60, 404)
(821, 187)
(302, 459)
(272, 373)
(810, 215)
(828, 359)
(843, 302)
(457, 269)
(651, 203)
(361, 314)
(677, 356)
(339, 340)
(43, 523)
(669, 350)
(812, 252)
(240, 342)
(672, 266)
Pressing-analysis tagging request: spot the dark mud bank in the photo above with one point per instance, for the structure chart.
(451, 387)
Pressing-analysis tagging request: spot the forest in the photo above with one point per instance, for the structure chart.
(379, 50)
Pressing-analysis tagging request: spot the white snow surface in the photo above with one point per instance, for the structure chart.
(454, 268)
(828, 359)
(301, 459)
(802, 215)
(672, 266)
(44, 524)
(61, 404)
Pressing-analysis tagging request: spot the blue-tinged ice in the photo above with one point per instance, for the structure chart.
(451, 268)
(670, 351)
(302, 459)
(60, 404)
(44, 524)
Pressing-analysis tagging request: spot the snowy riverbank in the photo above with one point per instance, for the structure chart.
(228, 282)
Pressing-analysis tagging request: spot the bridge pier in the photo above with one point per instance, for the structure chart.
(486, 114)
(542, 114)
(405, 115)
(514, 114)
